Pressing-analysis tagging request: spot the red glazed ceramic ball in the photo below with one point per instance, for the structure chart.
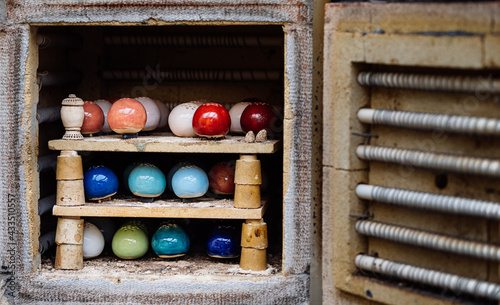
(93, 119)
(221, 178)
(258, 116)
(211, 120)
(127, 116)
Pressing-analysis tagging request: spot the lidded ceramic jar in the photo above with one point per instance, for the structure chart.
(146, 180)
(93, 118)
(152, 113)
(130, 240)
(180, 119)
(72, 115)
(190, 181)
(170, 240)
(224, 242)
(93, 241)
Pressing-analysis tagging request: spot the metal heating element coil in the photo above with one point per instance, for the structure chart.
(193, 75)
(435, 161)
(429, 202)
(427, 276)
(430, 82)
(479, 126)
(430, 240)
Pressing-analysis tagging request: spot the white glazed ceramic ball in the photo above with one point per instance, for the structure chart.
(152, 111)
(93, 241)
(104, 105)
(180, 119)
(235, 114)
(164, 112)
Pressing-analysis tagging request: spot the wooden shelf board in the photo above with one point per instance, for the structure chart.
(166, 142)
(171, 208)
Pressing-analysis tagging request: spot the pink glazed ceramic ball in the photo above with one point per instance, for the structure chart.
(105, 105)
(93, 119)
(127, 116)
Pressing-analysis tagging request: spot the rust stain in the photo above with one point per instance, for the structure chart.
(78, 237)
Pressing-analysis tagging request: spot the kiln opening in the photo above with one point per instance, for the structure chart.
(173, 65)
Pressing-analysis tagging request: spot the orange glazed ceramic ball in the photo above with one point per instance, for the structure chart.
(127, 116)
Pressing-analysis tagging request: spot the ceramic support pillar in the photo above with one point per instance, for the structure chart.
(254, 245)
(70, 192)
(247, 179)
(69, 240)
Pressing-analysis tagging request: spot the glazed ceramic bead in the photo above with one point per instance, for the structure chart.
(224, 242)
(127, 116)
(170, 240)
(152, 112)
(93, 119)
(100, 183)
(164, 113)
(190, 182)
(130, 241)
(93, 241)
(211, 120)
(235, 113)
(146, 180)
(105, 105)
(180, 119)
(221, 178)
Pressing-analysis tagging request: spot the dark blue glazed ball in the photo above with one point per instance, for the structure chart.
(99, 182)
(224, 242)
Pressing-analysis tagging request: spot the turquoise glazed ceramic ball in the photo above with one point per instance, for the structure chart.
(100, 182)
(224, 242)
(130, 241)
(190, 182)
(126, 173)
(170, 240)
(172, 171)
(146, 180)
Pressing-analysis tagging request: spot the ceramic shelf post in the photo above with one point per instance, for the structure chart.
(247, 179)
(69, 240)
(69, 176)
(70, 192)
(254, 245)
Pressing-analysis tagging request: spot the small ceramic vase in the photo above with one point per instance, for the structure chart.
(235, 113)
(170, 240)
(105, 105)
(72, 115)
(127, 116)
(221, 178)
(93, 120)
(224, 242)
(180, 119)
(100, 183)
(93, 241)
(152, 112)
(164, 112)
(130, 240)
(146, 180)
(190, 181)
(211, 120)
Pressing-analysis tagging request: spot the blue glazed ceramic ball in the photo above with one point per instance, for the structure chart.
(100, 182)
(146, 180)
(170, 240)
(172, 171)
(126, 173)
(190, 182)
(224, 242)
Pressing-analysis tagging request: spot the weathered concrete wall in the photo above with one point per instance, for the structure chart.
(18, 141)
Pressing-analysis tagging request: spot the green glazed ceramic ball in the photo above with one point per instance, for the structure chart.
(130, 242)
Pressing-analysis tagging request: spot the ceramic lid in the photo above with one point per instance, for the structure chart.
(72, 100)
